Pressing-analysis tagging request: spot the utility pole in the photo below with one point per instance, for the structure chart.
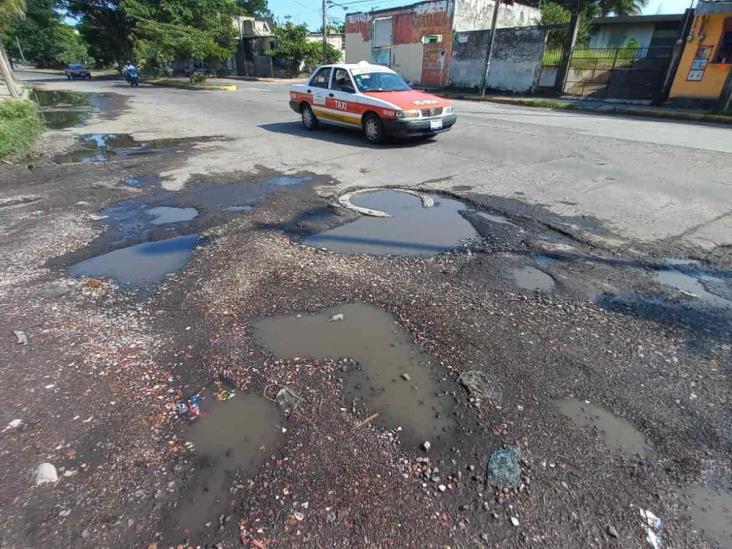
(7, 74)
(489, 49)
(567, 47)
(325, 32)
(17, 41)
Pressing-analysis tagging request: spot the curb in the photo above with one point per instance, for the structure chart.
(193, 87)
(611, 110)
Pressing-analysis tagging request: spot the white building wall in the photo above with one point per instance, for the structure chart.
(473, 15)
(357, 49)
(407, 60)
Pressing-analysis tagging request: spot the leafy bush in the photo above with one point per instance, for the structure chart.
(297, 54)
(199, 77)
(20, 126)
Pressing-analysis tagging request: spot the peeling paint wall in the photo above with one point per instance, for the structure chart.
(471, 15)
(515, 64)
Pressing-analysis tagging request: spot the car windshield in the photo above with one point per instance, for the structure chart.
(380, 81)
(76, 67)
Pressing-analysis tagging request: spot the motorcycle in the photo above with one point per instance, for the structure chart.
(132, 77)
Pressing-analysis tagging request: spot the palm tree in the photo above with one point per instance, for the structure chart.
(621, 7)
(9, 8)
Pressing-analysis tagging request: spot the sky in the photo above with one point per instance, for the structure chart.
(308, 11)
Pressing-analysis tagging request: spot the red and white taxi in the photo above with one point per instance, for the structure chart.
(372, 98)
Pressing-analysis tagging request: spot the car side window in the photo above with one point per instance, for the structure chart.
(321, 78)
(342, 82)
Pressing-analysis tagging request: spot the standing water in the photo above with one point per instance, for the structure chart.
(396, 382)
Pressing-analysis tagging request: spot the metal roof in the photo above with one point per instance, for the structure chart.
(640, 19)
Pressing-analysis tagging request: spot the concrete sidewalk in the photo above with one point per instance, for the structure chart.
(602, 107)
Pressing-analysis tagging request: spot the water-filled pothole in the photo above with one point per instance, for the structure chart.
(412, 228)
(707, 288)
(100, 147)
(711, 512)
(532, 279)
(64, 109)
(142, 181)
(231, 436)
(140, 265)
(617, 434)
(395, 380)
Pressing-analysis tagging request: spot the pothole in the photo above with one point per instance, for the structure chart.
(142, 181)
(532, 279)
(100, 147)
(140, 265)
(706, 288)
(711, 512)
(395, 380)
(64, 109)
(411, 229)
(231, 437)
(616, 433)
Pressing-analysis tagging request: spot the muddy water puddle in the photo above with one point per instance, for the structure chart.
(100, 147)
(231, 437)
(395, 380)
(64, 109)
(708, 289)
(412, 228)
(616, 433)
(711, 512)
(142, 181)
(140, 265)
(148, 237)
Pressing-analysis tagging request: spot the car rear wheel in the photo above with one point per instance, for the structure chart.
(373, 130)
(309, 119)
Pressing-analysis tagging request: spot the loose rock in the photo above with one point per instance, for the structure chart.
(45, 472)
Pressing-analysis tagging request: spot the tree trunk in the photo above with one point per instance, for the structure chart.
(7, 74)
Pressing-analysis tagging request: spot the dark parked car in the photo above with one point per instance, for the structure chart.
(77, 71)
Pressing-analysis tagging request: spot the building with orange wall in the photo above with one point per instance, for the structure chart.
(703, 73)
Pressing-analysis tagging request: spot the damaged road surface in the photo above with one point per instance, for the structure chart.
(222, 331)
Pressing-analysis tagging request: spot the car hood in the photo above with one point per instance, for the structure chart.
(411, 99)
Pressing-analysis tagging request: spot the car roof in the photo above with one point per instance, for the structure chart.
(361, 66)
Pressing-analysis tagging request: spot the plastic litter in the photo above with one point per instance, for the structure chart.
(336, 318)
(504, 468)
(287, 399)
(653, 526)
(21, 336)
(189, 410)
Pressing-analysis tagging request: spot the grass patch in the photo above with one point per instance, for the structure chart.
(188, 85)
(20, 126)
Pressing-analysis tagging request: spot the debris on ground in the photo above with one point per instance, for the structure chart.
(611, 531)
(14, 424)
(336, 318)
(480, 385)
(515, 521)
(426, 445)
(222, 392)
(287, 399)
(190, 410)
(21, 336)
(45, 472)
(504, 468)
(652, 526)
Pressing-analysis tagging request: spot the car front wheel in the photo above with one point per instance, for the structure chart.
(308, 118)
(373, 129)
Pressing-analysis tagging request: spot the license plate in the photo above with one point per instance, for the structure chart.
(435, 124)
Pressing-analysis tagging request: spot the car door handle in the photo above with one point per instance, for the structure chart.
(309, 91)
(331, 95)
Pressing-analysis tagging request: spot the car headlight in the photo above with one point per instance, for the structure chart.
(407, 114)
(448, 110)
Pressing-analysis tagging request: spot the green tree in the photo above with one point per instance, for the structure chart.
(296, 52)
(200, 30)
(621, 7)
(558, 13)
(106, 27)
(43, 38)
(12, 8)
(258, 8)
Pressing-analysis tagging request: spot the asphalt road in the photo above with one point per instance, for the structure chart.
(588, 327)
(643, 180)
